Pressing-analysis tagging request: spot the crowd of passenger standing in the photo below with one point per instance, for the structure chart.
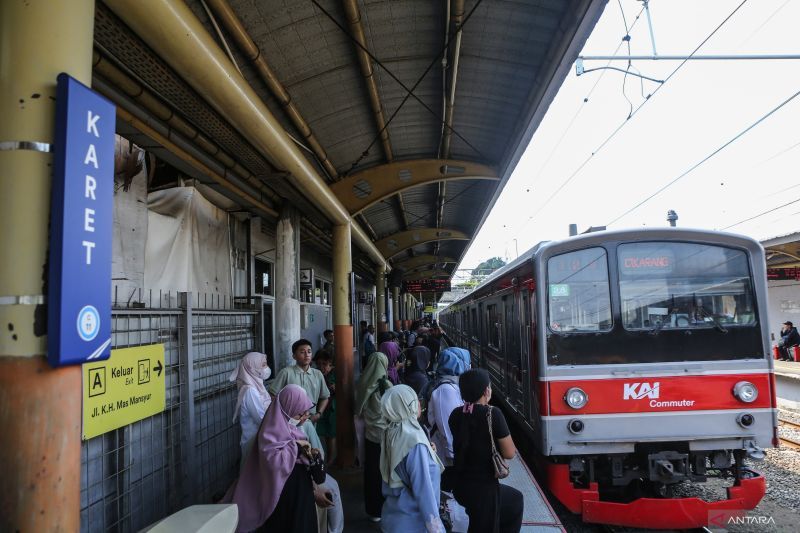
(425, 433)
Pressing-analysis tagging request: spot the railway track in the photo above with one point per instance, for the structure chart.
(614, 529)
(789, 443)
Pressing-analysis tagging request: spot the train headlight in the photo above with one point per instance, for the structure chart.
(745, 391)
(576, 398)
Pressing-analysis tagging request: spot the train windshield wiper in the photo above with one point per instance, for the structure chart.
(717, 324)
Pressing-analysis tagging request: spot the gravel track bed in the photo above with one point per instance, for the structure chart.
(781, 467)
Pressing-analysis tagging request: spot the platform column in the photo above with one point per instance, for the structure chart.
(40, 408)
(396, 306)
(343, 333)
(287, 292)
(380, 296)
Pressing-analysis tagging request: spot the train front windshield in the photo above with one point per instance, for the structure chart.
(672, 302)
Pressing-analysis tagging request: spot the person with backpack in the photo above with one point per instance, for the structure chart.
(441, 397)
(374, 381)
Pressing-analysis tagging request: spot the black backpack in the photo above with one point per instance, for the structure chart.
(425, 399)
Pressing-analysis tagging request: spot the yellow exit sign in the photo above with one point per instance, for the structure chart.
(127, 387)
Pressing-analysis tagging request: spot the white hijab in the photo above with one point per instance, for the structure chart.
(251, 372)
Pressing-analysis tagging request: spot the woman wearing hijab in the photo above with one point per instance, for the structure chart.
(492, 507)
(253, 399)
(392, 352)
(443, 397)
(416, 375)
(274, 489)
(371, 386)
(410, 469)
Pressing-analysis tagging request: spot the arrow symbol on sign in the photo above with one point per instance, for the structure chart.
(159, 368)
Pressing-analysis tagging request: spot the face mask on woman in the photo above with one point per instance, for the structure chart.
(294, 422)
(266, 372)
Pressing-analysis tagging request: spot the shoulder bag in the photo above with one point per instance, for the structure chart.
(500, 465)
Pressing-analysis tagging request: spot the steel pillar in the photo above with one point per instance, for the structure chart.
(380, 297)
(40, 408)
(396, 307)
(343, 333)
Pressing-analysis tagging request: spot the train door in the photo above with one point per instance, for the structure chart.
(531, 377)
(525, 326)
(511, 352)
(481, 335)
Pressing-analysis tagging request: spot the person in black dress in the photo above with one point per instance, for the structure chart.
(491, 506)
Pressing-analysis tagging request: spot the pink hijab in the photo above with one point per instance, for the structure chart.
(248, 374)
(271, 460)
(392, 352)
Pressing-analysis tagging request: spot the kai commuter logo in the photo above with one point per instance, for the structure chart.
(639, 391)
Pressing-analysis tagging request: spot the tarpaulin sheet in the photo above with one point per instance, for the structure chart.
(188, 245)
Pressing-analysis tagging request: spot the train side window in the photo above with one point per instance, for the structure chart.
(578, 292)
(493, 325)
(474, 324)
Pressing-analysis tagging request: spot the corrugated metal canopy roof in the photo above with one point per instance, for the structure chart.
(512, 58)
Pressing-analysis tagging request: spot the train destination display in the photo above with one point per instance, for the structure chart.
(426, 285)
(783, 274)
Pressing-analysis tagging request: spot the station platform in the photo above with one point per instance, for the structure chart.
(538, 515)
(788, 368)
(787, 383)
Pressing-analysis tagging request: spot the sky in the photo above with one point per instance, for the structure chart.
(702, 106)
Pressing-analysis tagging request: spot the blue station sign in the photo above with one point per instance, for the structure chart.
(81, 221)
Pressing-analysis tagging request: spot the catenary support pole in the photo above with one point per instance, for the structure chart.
(343, 333)
(40, 408)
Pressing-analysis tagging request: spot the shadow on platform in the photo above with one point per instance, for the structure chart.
(355, 517)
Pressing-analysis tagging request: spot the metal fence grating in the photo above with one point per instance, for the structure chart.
(220, 339)
(134, 476)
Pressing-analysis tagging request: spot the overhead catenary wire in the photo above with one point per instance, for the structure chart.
(768, 211)
(780, 153)
(633, 114)
(709, 156)
(584, 102)
(766, 21)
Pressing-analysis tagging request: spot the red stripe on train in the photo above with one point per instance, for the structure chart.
(657, 394)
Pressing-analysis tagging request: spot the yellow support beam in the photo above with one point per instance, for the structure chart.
(423, 260)
(399, 242)
(363, 189)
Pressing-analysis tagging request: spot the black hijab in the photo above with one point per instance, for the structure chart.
(419, 359)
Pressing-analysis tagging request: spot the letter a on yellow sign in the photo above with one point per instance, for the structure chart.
(127, 387)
